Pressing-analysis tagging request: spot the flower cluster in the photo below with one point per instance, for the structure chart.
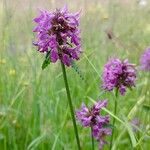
(58, 33)
(145, 60)
(90, 117)
(118, 74)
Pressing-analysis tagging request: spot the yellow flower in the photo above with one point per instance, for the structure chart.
(105, 16)
(2, 61)
(12, 72)
(147, 28)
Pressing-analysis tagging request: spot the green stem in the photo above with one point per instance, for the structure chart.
(92, 139)
(114, 120)
(148, 91)
(70, 105)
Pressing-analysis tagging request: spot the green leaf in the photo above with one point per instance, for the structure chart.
(146, 107)
(136, 107)
(131, 133)
(47, 55)
(77, 70)
(109, 126)
(34, 144)
(46, 61)
(106, 110)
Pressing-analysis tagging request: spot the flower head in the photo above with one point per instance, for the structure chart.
(90, 117)
(58, 33)
(145, 60)
(118, 74)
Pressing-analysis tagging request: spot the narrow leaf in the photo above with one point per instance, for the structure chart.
(146, 107)
(109, 112)
(135, 108)
(76, 68)
(109, 126)
(36, 142)
(46, 61)
(131, 133)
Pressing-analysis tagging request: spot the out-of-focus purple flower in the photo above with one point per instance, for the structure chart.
(118, 74)
(90, 117)
(135, 123)
(100, 134)
(145, 60)
(58, 33)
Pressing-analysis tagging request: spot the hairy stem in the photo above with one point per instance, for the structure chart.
(70, 105)
(92, 138)
(114, 120)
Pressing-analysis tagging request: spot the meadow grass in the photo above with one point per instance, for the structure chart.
(34, 112)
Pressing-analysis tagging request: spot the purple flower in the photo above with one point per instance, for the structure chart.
(145, 60)
(135, 123)
(84, 116)
(58, 33)
(100, 134)
(119, 74)
(90, 117)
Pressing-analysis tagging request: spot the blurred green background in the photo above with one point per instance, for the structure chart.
(34, 113)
